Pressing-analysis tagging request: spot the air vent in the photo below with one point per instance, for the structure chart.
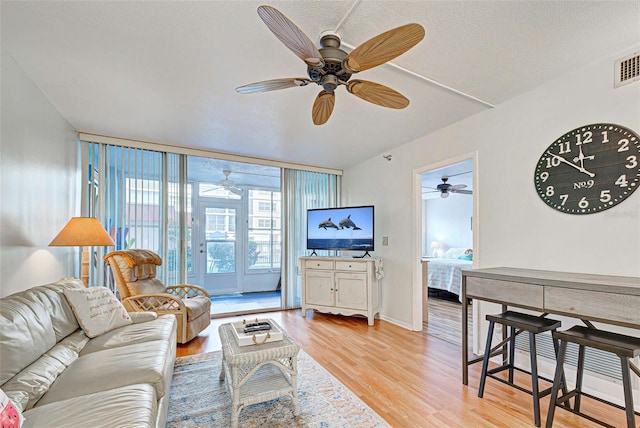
(627, 70)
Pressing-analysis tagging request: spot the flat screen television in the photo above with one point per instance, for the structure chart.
(346, 229)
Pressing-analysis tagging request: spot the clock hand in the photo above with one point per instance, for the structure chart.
(579, 168)
(582, 157)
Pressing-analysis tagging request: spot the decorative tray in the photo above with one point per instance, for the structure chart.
(259, 331)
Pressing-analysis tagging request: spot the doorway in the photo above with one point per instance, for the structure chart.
(447, 242)
(234, 235)
(218, 248)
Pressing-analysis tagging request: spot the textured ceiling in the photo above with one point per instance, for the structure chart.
(166, 71)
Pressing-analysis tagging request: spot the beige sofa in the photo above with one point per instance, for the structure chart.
(59, 377)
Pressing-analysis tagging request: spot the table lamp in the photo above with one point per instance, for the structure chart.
(435, 246)
(84, 232)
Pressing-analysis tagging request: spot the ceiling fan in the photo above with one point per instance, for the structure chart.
(330, 66)
(445, 188)
(229, 184)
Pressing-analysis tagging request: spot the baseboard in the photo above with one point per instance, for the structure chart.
(397, 322)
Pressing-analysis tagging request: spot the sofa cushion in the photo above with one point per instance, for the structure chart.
(97, 309)
(26, 332)
(36, 378)
(52, 298)
(113, 368)
(129, 406)
(157, 329)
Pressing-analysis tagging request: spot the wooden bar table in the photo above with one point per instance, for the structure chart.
(589, 297)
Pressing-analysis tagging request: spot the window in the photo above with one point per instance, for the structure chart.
(220, 222)
(264, 207)
(264, 223)
(264, 231)
(136, 194)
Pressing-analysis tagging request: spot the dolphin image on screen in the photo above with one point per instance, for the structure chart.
(327, 223)
(348, 223)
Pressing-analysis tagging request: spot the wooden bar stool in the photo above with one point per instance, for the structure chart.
(517, 322)
(623, 346)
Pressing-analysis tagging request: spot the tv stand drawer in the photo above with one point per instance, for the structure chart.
(319, 264)
(351, 266)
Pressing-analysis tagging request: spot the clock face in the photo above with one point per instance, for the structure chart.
(589, 169)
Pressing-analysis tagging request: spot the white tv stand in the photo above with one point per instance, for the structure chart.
(340, 285)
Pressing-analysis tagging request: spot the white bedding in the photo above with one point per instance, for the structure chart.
(446, 274)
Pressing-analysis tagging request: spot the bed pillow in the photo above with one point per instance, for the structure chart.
(97, 310)
(10, 416)
(453, 253)
(468, 255)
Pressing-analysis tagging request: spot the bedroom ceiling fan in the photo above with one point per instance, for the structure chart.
(330, 66)
(446, 189)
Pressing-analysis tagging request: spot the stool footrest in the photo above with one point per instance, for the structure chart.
(492, 374)
(574, 393)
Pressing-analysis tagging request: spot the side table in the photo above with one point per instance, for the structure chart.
(258, 373)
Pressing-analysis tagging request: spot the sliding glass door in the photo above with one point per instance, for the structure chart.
(231, 227)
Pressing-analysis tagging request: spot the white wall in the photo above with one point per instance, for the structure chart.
(515, 227)
(38, 180)
(448, 221)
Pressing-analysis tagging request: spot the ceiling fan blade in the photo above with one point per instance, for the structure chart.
(383, 47)
(455, 175)
(272, 85)
(292, 36)
(235, 190)
(457, 186)
(462, 192)
(323, 107)
(377, 94)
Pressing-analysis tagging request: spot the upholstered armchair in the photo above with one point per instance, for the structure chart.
(134, 272)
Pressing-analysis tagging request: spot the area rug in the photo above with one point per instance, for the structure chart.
(198, 399)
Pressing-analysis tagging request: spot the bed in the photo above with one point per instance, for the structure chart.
(445, 273)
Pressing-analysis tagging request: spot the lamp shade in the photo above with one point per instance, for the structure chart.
(82, 231)
(435, 244)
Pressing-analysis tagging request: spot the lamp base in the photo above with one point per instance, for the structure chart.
(84, 266)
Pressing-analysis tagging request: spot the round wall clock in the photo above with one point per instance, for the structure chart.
(589, 169)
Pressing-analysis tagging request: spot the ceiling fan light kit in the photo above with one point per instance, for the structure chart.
(330, 66)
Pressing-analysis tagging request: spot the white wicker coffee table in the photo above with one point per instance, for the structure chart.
(258, 373)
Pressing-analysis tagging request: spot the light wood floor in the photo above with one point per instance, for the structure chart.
(445, 319)
(411, 379)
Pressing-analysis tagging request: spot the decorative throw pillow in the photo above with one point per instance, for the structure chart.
(454, 253)
(10, 416)
(97, 310)
(468, 255)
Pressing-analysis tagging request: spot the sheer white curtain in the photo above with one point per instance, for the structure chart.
(140, 197)
(301, 190)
